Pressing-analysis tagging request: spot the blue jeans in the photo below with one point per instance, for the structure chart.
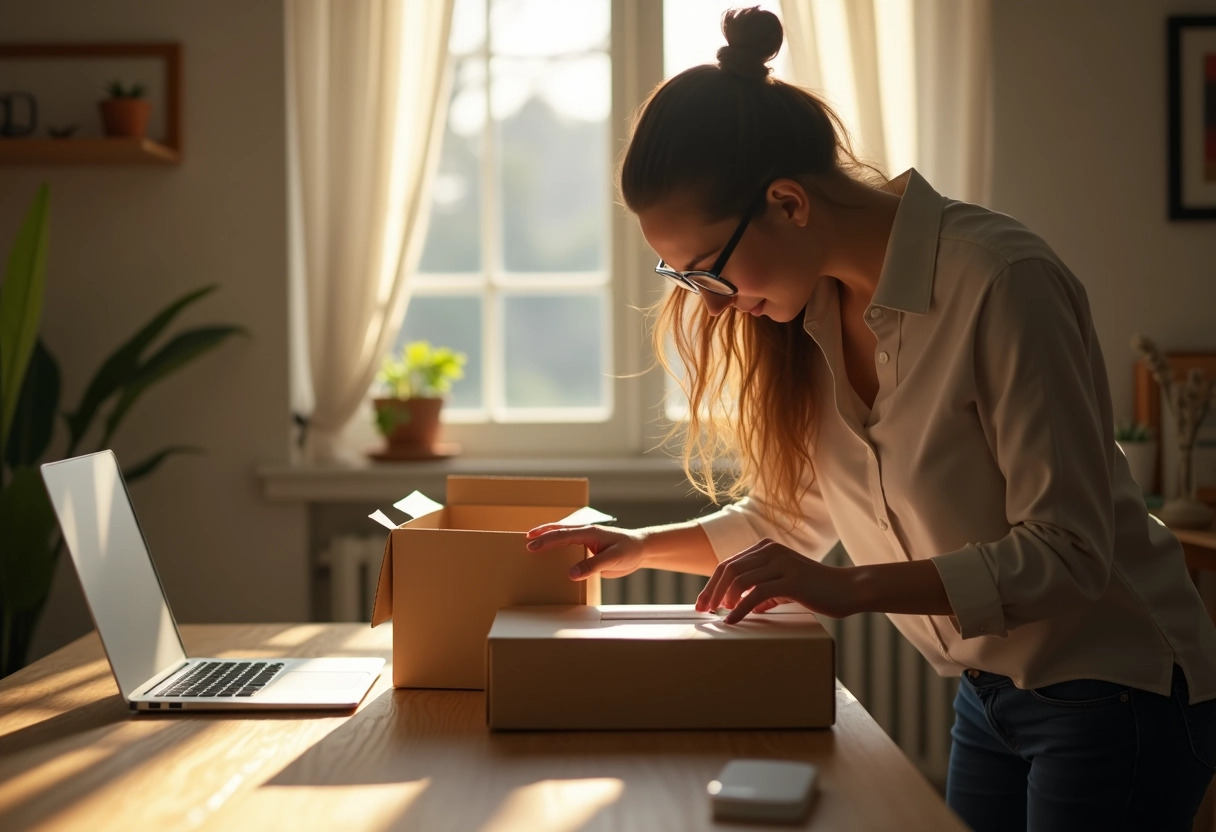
(1078, 755)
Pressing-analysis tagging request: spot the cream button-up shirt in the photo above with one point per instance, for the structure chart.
(990, 451)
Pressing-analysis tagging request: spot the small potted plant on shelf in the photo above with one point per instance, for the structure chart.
(1137, 444)
(125, 113)
(416, 382)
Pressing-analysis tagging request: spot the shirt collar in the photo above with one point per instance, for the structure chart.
(906, 281)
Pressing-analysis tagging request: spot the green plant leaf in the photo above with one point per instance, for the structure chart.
(34, 420)
(27, 556)
(21, 305)
(118, 369)
(422, 370)
(147, 466)
(181, 350)
(389, 417)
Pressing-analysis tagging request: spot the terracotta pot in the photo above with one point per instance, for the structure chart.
(125, 117)
(415, 422)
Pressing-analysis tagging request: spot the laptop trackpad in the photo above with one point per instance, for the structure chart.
(317, 686)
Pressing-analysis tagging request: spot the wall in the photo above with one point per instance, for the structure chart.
(1080, 157)
(124, 242)
(1080, 92)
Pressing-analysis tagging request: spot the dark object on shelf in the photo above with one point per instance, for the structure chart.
(61, 132)
(10, 127)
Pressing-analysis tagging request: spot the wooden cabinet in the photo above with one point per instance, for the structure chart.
(102, 151)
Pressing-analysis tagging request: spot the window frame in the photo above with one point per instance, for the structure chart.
(632, 426)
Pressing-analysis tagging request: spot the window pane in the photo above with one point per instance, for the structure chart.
(550, 100)
(692, 33)
(453, 240)
(554, 350)
(454, 322)
(548, 27)
(468, 27)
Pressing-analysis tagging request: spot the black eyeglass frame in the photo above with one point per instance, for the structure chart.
(714, 273)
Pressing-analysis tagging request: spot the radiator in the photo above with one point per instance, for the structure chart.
(891, 680)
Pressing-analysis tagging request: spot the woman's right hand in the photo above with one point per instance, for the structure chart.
(614, 552)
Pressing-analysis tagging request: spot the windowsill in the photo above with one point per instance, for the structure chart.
(630, 479)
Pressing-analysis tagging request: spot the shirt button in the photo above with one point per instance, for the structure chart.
(813, 325)
(883, 357)
(875, 313)
(882, 524)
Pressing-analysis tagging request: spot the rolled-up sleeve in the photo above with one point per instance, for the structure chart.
(1040, 388)
(742, 524)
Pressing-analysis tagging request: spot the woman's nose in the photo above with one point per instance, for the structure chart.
(715, 304)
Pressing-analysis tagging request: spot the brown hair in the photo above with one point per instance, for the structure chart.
(718, 135)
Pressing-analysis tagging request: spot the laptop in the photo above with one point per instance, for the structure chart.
(137, 628)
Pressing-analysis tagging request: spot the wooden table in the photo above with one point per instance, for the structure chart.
(1199, 545)
(1200, 548)
(73, 757)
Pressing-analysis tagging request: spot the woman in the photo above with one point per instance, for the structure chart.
(920, 379)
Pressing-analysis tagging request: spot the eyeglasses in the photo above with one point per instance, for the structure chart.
(708, 280)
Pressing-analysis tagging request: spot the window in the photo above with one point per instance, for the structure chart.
(529, 266)
(515, 270)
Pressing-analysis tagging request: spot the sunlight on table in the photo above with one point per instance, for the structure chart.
(554, 805)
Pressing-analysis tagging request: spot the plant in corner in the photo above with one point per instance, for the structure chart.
(125, 113)
(415, 382)
(29, 401)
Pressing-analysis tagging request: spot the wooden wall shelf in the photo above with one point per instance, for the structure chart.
(85, 152)
(102, 151)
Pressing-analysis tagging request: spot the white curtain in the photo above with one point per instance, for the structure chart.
(367, 92)
(911, 79)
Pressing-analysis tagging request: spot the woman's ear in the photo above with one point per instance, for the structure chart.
(791, 199)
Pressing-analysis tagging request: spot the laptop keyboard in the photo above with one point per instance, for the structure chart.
(224, 679)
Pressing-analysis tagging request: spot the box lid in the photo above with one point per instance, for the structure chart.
(643, 622)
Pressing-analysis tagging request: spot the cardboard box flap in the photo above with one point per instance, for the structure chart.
(382, 607)
(507, 491)
(585, 516)
(416, 504)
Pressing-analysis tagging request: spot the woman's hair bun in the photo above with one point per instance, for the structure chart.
(753, 38)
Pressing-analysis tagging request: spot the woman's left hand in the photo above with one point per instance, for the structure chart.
(769, 574)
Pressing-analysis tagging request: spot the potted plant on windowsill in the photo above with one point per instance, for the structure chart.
(125, 113)
(416, 382)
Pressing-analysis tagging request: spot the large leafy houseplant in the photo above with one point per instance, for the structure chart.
(29, 405)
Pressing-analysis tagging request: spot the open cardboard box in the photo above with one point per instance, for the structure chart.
(649, 667)
(446, 572)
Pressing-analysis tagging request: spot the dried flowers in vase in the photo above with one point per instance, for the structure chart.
(1188, 402)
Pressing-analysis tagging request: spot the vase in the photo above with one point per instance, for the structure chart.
(1186, 511)
(1142, 460)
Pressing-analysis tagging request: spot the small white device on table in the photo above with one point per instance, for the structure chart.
(777, 791)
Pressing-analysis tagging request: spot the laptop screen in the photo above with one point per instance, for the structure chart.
(115, 567)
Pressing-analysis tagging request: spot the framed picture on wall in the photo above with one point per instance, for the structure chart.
(1191, 50)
